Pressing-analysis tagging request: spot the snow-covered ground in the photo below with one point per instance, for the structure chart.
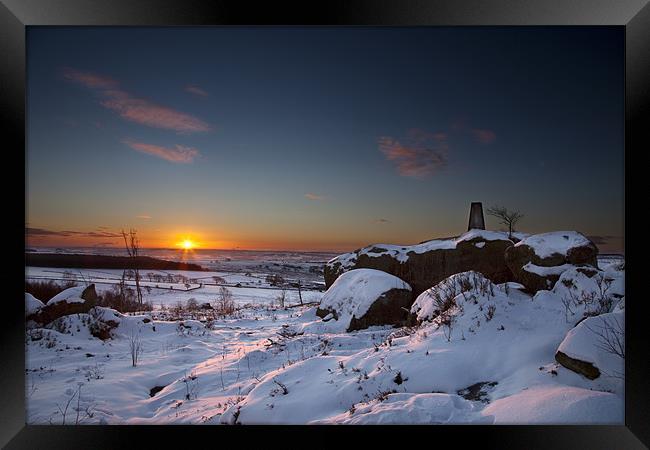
(271, 365)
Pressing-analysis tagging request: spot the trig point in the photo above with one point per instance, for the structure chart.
(476, 216)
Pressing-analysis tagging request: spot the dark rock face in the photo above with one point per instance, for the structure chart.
(52, 311)
(582, 367)
(517, 257)
(424, 270)
(103, 330)
(390, 308)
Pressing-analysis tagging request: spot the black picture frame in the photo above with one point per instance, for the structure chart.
(16, 15)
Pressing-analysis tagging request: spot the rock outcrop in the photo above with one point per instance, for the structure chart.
(362, 298)
(595, 346)
(74, 300)
(538, 261)
(424, 265)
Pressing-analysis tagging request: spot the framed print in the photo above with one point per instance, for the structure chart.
(364, 217)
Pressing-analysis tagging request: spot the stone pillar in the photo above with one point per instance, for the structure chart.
(476, 216)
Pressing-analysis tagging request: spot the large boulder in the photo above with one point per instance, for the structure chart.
(32, 305)
(74, 300)
(538, 261)
(426, 264)
(595, 347)
(362, 298)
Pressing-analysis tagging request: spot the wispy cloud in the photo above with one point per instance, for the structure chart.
(484, 136)
(316, 197)
(90, 80)
(382, 221)
(177, 154)
(192, 89)
(421, 153)
(143, 217)
(417, 159)
(135, 109)
(43, 232)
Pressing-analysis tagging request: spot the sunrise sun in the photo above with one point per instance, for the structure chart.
(187, 244)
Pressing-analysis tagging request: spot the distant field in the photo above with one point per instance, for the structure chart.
(105, 262)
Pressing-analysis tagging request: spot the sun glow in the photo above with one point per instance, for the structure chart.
(187, 244)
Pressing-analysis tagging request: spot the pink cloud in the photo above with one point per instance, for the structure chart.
(484, 136)
(416, 160)
(311, 196)
(178, 154)
(196, 90)
(90, 80)
(150, 114)
(143, 217)
(136, 109)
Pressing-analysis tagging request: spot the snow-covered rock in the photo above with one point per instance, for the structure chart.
(74, 300)
(423, 265)
(538, 260)
(587, 291)
(70, 295)
(364, 297)
(32, 304)
(433, 301)
(557, 405)
(595, 347)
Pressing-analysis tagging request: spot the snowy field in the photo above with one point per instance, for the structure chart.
(246, 290)
(266, 364)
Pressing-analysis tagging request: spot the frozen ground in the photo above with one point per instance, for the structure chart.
(270, 365)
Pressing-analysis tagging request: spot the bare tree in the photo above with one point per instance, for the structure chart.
(135, 346)
(225, 302)
(132, 245)
(507, 217)
(282, 296)
(300, 291)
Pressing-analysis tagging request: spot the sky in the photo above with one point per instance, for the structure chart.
(320, 138)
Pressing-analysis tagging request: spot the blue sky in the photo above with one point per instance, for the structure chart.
(321, 138)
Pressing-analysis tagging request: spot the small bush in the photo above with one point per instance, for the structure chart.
(125, 301)
(225, 303)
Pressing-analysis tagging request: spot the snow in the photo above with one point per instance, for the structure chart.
(426, 303)
(32, 304)
(402, 252)
(354, 292)
(590, 341)
(546, 271)
(414, 409)
(70, 295)
(557, 405)
(547, 244)
(237, 369)
(485, 235)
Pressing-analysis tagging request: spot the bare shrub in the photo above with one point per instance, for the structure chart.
(275, 280)
(225, 303)
(490, 312)
(135, 347)
(192, 305)
(595, 303)
(282, 297)
(611, 337)
(123, 299)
